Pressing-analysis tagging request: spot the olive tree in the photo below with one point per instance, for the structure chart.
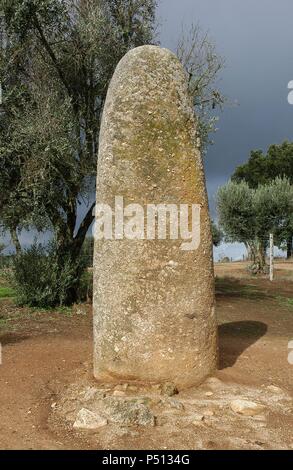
(249, 215)
(55, 69)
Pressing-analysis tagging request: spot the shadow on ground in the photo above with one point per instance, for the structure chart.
(236, 337)
(231, 287)
(12, 338)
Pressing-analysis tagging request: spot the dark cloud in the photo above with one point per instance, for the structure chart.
(254, 38)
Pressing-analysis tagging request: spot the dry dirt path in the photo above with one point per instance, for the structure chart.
(42, 352)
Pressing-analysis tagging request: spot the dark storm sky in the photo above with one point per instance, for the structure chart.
(256, 40)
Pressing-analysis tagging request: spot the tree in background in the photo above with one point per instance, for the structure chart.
(262, 169)
(200, 59)
(217, 234)
(61, 56)
(236, 217)
(249, 215)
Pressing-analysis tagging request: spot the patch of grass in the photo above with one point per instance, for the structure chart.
(6, 292)
(286, 302)
(3, 322)
(67, 311)
(232, 287)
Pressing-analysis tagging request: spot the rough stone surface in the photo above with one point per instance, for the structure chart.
(169, 389)
(176, 404)
(131, 412)
(247, 408)
(86, 419)
(197, 419)
(118, 393)
(154, 319)
(274, 389)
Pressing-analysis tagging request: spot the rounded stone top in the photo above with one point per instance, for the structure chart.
(149, 127)
(150, 68)
(148, 51)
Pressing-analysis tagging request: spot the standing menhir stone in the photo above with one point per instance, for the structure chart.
(154, 318)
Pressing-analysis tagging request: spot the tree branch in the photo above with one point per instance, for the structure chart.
(52, 55)
(83, 229)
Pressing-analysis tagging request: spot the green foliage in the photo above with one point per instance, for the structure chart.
(55, 68)
(286, 302)
(38, 279)
(6, 292)
(246, 214)
(249, 215)
(202, 63)
(217, 234)
(85, 290)
(87, 251)
(261, 168)
(236, 214)
(57, 59)
(5, 262)
(273, 204)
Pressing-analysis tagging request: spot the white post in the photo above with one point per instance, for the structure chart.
(271, 257)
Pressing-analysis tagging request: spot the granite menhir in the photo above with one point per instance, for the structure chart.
(154, 315)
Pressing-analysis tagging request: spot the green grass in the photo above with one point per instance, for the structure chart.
(6, 292)
(67, 311)
(3, 322)
(234, 288)
(286, 302)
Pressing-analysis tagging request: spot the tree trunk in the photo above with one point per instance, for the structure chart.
(67, 265)
(261, 258)
(68, 253)
(15, 240)
(257, 251)
(289, 247)
(251, 252)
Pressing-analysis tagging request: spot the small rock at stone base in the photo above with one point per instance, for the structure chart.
(246, 408)
(274, 389)
(128, 412)
(197, 419)
(122, 387)
(214, 382)
(91, 394)
(132, 388)
(169, 389)
(209, 394)
(119, 393)
(176, 404)
(88, 420)
(80, 309)
(197, 423)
